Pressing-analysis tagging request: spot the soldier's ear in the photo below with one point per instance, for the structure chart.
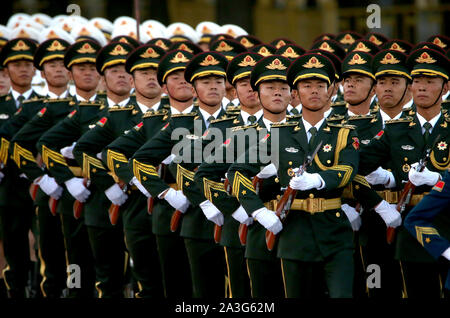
(164, 89)
(446, 88)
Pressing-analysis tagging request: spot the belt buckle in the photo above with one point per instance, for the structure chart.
(315, 205)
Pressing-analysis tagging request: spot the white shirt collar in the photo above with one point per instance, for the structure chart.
(444, 97)
(121, 104)
(309, 126)
(353, 114)
(298, 107)
(385, 116)
(246, 115)
(174, 111)
(81, 99)
(327, 113)
(226, 101)
(269, 123)
(16, 94)
(54, 96)
(144, 108)
(206, 115)
(408, 104)
(433, 121)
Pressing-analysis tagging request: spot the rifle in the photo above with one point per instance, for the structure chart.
(288, 197)
(113, 210)
(151, 200)
(243, 228)
(408, 190)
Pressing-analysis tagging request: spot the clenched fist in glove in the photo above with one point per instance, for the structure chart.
(241, 216)
(381, 176)
(307, 181)
(49, 186)
(389, 214)
(115, 194)
(353, 216)
(426, 177)
(211, 212)
(77, 189)
(268, 219)
(177, 199)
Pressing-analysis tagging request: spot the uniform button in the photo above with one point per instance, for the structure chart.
(338, 214)
(406, 159)
(290, 163)
(117, 165)
(311, 195)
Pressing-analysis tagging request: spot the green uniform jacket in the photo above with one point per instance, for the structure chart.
(305, 236)
(150, 155)
(69, 130)
(402, 144)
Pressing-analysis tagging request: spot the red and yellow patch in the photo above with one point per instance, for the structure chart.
(165, 126)
(138, 126)
(355, 143)
(42, 112)
(72, 113)
(378, 136)
(102, 122)
(439, 186)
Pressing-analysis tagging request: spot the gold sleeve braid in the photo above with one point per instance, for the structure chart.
(20, 152)
(47, 153)
(89, 162)
(183, 173)
(340, 145)
(209, 185)
(241, 180)
(4, 151)
(112, 157)
(139, 167)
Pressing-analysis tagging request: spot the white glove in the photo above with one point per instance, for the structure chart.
(268, 219)
(177, 199)
(211, 212)
(141, 188)
(389, 214)
(446, 254)
(267, 172)
(77, 189)
(241, 216)
(99, 156)
(169, 159)
(68, 151)
(1, 176)
(353, 216)
(307, 181)
(381, 176)
(116, 195)
(49, 186)
(426, 177)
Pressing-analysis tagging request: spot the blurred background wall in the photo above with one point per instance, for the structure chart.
(299, 20)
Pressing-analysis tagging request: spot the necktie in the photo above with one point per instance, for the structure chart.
(251, 119)
(313, 132)
(208, 121)
(294, 111)
(426, 135)
(20, 99)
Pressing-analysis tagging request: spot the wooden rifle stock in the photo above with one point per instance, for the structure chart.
(150, 203)
(113, 210)
(243, 228)
(175, 220)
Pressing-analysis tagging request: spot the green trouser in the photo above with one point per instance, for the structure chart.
(16, 223)
(174, 262)
(79, 253)
(207, 264)
(110, 259)
(51, 252)
(237, 274)
(305, 279)
(266, 280)
(141, 244)
(424, 280)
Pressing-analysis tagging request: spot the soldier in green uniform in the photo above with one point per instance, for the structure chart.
(263, 267)
(16, 208)
(211, 174)
(402, 143)
(206, 72)
(79, 59)
(49, 60)
(106, 231)
(171, 251)
(324, 250)
(141, 64)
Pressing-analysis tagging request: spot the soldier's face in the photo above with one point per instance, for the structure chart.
(356, 88)
(427, 90)
(390, 91)
(118, 80)
(20, 72)
(5, 82)
(274, 96)
(85, 76)
(210, 90)
(55, 73)
(314, 94)
(177, 87)
(247, 96)
(146, 83)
